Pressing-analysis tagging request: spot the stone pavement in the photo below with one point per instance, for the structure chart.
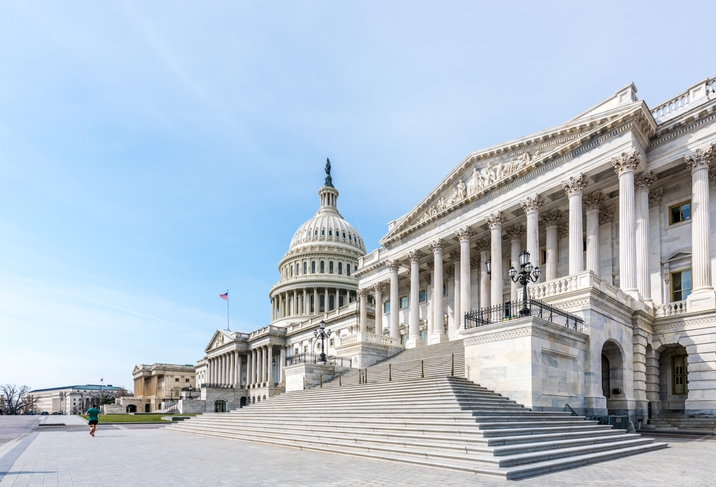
(157, 456)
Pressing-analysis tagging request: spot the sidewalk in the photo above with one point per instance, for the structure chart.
(158, 456)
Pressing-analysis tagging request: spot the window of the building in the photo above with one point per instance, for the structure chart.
(305, 267)
(331, 302)
(315, 233)
(422, 296)
(403, 302)
(543, 255)
(323, 231)
(680, 285)
(186, 380)
(386, 307)
(679, 366)
(332, 342)
(679, 213)
(305, 349)
(350, 237)
(176, 379)
(291, 271)
(322, 303)
(330, 267)
(340, 301)
(355, 267)
(340, 268)
(344, 234)
(348, 269)
(298, 268)
(323, 267)
(313, 267)
(330, 233)
(444, 288)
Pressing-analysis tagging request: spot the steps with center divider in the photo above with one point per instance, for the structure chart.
(446, 422)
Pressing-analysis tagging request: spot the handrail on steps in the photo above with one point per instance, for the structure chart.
(567, 406)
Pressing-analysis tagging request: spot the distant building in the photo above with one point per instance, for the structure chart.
(157, 383)
(70, 399)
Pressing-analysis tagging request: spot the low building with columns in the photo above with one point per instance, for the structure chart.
(613, 207)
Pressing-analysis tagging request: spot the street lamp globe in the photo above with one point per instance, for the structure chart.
(524, 258)
(512, 272)
(488, 265)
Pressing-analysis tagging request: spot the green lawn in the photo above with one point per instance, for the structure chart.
(132, 418)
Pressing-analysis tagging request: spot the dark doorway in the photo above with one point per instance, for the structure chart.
(146, 408)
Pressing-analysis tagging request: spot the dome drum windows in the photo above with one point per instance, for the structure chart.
(323, 267)
(330, 267)
(340, 268)
(313, 267)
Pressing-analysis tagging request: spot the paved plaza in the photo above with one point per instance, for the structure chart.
(137, 455)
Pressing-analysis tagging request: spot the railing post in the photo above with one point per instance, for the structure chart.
(452, 369)
(390, 372)
(422, 369)
(360, 376)
(321, 376)
(365, 379)
(339, 380)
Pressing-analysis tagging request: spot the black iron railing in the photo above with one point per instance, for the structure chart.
(314, 358)
(511, 310)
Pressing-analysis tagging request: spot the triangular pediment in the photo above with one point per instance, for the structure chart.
(484, 171)
(219, 339)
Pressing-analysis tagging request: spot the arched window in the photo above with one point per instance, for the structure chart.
(344, 234)
(330, 233)
(313, 267)
(323, 231)
(305, 267)
(291, 271)
(340, 268)
(350, 238)
(315, 232)
(330, 267)
(355, 267)
(323, 267)
(331, 302)
(298, 268)
(348, 269)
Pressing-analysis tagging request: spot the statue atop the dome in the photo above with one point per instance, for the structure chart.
(329, 180)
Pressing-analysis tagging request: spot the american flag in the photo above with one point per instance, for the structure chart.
(224, 296)
(101, 381)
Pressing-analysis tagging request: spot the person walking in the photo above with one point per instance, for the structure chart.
(93, 414)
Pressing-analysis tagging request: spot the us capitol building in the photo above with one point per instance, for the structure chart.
(613, 206)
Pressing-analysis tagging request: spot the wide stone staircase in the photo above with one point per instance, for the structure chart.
(680, 423)
(437, 421)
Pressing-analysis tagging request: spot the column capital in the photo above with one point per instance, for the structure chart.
(655, 197)
(363, 292)
(415, 255)
(574, 185)
(455, 255)
(643, 181)
(593, 201)
(495, 220)
(392, 264)
(550, 218)
(627, 162)
(464, 234)
(606, 215)
(563, 231)
(437, 245)
(378, 287)
(532, 203)
(483, 245)
(515, 232)
(700, 159)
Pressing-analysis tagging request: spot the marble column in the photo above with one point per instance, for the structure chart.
(269, 366)
(378, 290)
(483, 246)
(430, 278)
(550, 220)
(315, 302)
(515, 235)
(624, 167)
(237, 360)
(438, 335)
(294, 308)
(531, 207)
(702, 296)
(393, 266)
(304, 303)
(591, 203)
(574, 187)
(282, 357)
(464, 235)
(642, 184)
(454, 324)
(363, 294)
(326, 308)
(495, 222)
(414, 321)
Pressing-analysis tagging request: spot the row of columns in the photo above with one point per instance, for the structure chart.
(298, 301)
(226, 369)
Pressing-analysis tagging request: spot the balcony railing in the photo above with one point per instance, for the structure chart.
(314, 358)
(511, 310)
(671, 309)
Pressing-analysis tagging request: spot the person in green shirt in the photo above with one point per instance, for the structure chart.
(93, 416)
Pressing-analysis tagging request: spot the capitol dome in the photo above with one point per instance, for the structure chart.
(317, 272)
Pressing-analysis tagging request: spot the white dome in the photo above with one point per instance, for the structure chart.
(327, 226)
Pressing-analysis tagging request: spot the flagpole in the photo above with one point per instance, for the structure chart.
(227, 311)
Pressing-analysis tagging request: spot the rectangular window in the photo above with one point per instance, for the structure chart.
(386, 307)
(422, 296)
(680, 213)
(679, 365)
(403, 302)
(176, 380)
(331, 342)
(680, 285)
(305, 349)
(187, 380)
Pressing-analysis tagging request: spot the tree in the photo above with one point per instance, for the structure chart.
(17, 400)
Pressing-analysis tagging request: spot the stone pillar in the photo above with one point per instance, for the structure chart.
(378, 290)
(642, 183)
(393, 266)
(326, 308)
(294, 308)
(430, 278)
(624, 167)
(574, 188)
(363, 294)
(484, 247)
(591, 205)
(454, 325)
(237, 359)
(531, 208)
(414, 321)
(515, 235)
(464, 235)
(702, 297)
(260, 365)
(495, 222)
(315, 301)
(269, 365)
(438, 335)
(304, 303)
(282, 357)
(550, 220)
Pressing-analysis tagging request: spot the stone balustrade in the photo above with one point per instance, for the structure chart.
(576, 282)
(365, 337)
(671, 309)
(696, 95)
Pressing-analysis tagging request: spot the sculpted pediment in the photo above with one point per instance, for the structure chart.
(219, 339)
(484, 171)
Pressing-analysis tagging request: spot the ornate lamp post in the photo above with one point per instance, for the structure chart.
(322, 333)
(527, 274)
(190, 389)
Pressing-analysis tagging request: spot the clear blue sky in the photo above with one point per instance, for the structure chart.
(156, 154)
